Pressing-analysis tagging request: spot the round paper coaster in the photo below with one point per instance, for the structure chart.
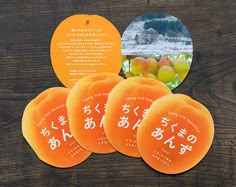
(86, 107)
(83, 45)
(127, 104)
(45, 126)
(176, 134)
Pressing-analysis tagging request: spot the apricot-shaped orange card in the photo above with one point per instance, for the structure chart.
(82, 45)
(45, 126)
(86, 106)
(127, 104)
(176, 134)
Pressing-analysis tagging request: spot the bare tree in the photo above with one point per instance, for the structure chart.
(173, 36)
(147, 37)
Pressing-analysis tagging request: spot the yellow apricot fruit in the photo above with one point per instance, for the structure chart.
(166, 74)
(138, 65)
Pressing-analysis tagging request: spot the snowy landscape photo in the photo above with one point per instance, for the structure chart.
(156, 34)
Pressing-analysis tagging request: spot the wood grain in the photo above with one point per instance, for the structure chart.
(26, 28)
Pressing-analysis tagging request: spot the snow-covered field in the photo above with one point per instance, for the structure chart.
(161, 46)
(156, 49)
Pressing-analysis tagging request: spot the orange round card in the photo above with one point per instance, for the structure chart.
(83, 45)
(176, 134)
(86, 107)
(127, 104)
(45, 126)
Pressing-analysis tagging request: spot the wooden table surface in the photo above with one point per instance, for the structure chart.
(26, 28)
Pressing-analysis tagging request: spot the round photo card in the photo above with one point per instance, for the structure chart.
(157, 46)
